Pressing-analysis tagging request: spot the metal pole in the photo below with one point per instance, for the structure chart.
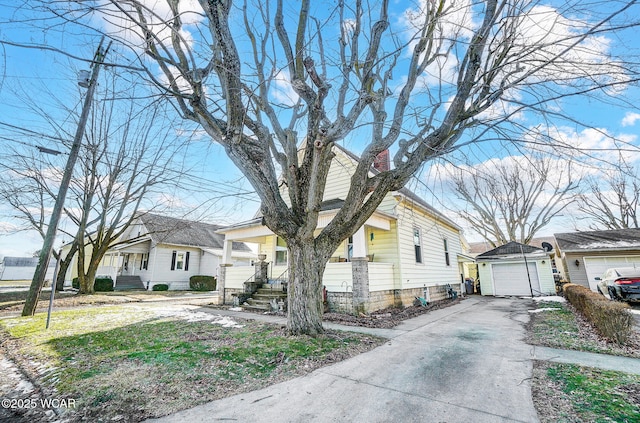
(45, 252)
(526, 265)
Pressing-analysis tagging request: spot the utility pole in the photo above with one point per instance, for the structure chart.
(47, 247)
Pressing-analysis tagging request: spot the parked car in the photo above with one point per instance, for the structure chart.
(620, 283)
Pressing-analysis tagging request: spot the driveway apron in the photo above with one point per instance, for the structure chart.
(465, 363)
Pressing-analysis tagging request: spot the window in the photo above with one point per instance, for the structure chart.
(417, 244)
(446, 252)
(281, 251)
(144, 261)
(180, 260)
(350, 248)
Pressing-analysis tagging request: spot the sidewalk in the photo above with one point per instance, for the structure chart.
(587, 359)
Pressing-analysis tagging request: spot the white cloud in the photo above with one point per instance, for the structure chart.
(281, 90)
(157, 15)
(630, 119)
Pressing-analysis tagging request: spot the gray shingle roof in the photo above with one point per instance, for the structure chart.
(170, 230)
(617, 239)
(510, 248)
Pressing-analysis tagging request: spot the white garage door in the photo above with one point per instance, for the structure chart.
(596, 266)
(512, 279)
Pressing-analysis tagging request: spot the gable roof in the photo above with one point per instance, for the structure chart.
(406, 192)
(610, 240)
(511, 248)
(170, 230)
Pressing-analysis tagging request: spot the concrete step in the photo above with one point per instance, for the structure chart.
(271, 291)
(126, 283)
(269, 296)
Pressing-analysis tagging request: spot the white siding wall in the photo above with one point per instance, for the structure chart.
(338, 277)
(209, 264)
(486, 278)
(161, 261)
(433, 270)
(339, 177)
(381, 276)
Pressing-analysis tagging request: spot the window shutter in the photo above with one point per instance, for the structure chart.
(173, 260)
(186, 261)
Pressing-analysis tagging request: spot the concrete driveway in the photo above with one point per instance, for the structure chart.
(465, 363)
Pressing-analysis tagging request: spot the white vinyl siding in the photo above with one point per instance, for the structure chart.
(432, 270)
(160, 262)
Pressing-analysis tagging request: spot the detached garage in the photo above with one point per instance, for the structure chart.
(587, 255)
(515, 269)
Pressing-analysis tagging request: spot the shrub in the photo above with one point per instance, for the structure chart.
(611, 318)
(203, 283)
(103, 284)
(160, 287)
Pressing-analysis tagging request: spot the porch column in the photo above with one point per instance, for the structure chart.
(360, 273)
(360, 244)
(360, 293)
(227, 247)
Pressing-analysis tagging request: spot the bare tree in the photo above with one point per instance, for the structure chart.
(125, 156)
(514, 198)
(611, 200)
(264, 78)
(27, 185)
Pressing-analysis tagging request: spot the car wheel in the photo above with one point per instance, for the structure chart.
(612, 294)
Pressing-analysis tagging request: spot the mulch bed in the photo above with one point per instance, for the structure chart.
(388, 317)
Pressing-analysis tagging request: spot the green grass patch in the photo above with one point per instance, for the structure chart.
(597, 395)
(558, 327)
(117, 360)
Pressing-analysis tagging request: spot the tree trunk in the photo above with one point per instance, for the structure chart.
(64, 265)
(305, 309)
(87, 280)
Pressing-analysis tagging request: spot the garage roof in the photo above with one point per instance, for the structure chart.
(511, 249)
(612, 240)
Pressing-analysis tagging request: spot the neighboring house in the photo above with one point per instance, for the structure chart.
(165, 250)
(516, 269)
(587, 255)
(23, 268)
(405, 249)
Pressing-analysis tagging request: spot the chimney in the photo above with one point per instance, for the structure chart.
(381, 162)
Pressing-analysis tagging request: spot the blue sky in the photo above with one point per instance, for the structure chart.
(49, 78)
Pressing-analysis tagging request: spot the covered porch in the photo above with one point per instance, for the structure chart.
(127, 263)
(355, 270)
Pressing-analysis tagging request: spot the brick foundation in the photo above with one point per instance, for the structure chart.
(342, 302)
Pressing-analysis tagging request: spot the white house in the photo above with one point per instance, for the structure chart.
(165, 250)
(409, 249)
